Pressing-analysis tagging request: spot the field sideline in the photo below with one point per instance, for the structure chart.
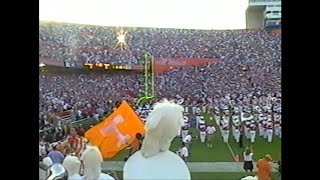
(215, 175)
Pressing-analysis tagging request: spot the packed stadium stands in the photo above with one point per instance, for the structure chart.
(250, 66)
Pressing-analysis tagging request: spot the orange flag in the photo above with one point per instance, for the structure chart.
(116, 132)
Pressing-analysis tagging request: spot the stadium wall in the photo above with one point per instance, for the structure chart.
(165, 64)
(161, 64)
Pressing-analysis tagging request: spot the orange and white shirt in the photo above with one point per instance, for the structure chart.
(76, 144)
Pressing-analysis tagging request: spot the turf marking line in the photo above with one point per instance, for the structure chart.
(232, 153)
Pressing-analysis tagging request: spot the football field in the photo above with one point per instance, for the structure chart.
(221, 152)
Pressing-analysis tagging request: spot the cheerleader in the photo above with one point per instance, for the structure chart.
(247, 157)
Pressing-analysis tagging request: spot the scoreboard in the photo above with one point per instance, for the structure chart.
(106, 66)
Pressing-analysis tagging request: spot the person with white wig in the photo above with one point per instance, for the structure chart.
(92, 159)
(155, 160)
(72, 165)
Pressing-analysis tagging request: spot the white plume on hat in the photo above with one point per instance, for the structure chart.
(163, 125)
(92, 159)
(72, 164)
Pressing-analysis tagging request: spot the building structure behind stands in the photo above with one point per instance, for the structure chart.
(263, 14)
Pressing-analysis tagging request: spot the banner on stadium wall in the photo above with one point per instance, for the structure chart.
(165, 64)
(51, 62)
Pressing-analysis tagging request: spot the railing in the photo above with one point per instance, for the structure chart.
(86, 122)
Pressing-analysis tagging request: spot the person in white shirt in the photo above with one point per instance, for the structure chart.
(187, 140)
(248, 159)
(184, 153)
(210, 131)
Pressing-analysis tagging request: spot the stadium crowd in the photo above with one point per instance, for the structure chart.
(70, 42)
(251, 65)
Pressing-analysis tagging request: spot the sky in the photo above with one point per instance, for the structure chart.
(190, 14)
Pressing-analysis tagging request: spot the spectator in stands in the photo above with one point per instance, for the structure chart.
(42, 150)
(55, 155)
(81, 130)
(75, 141)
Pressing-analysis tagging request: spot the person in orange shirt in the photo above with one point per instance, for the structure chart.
(75, 141)
(264, 168)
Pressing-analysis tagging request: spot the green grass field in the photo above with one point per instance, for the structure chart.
(220, 151)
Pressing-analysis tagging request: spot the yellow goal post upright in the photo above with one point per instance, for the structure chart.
(149, 78)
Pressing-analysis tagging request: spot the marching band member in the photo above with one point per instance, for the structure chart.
(198, 119)
(236, 126)
(210, 130)
(247, 129)
(235, 119)
(198, 111)
(247, 118)
(194, 107)
(252, 131)
(225, 129)
(280, 130)
(277, 122)
(216, 113)
(260, 124)
(185, 127)
(269, 130)
(264, 124)
(202, 130)
(204, 107)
